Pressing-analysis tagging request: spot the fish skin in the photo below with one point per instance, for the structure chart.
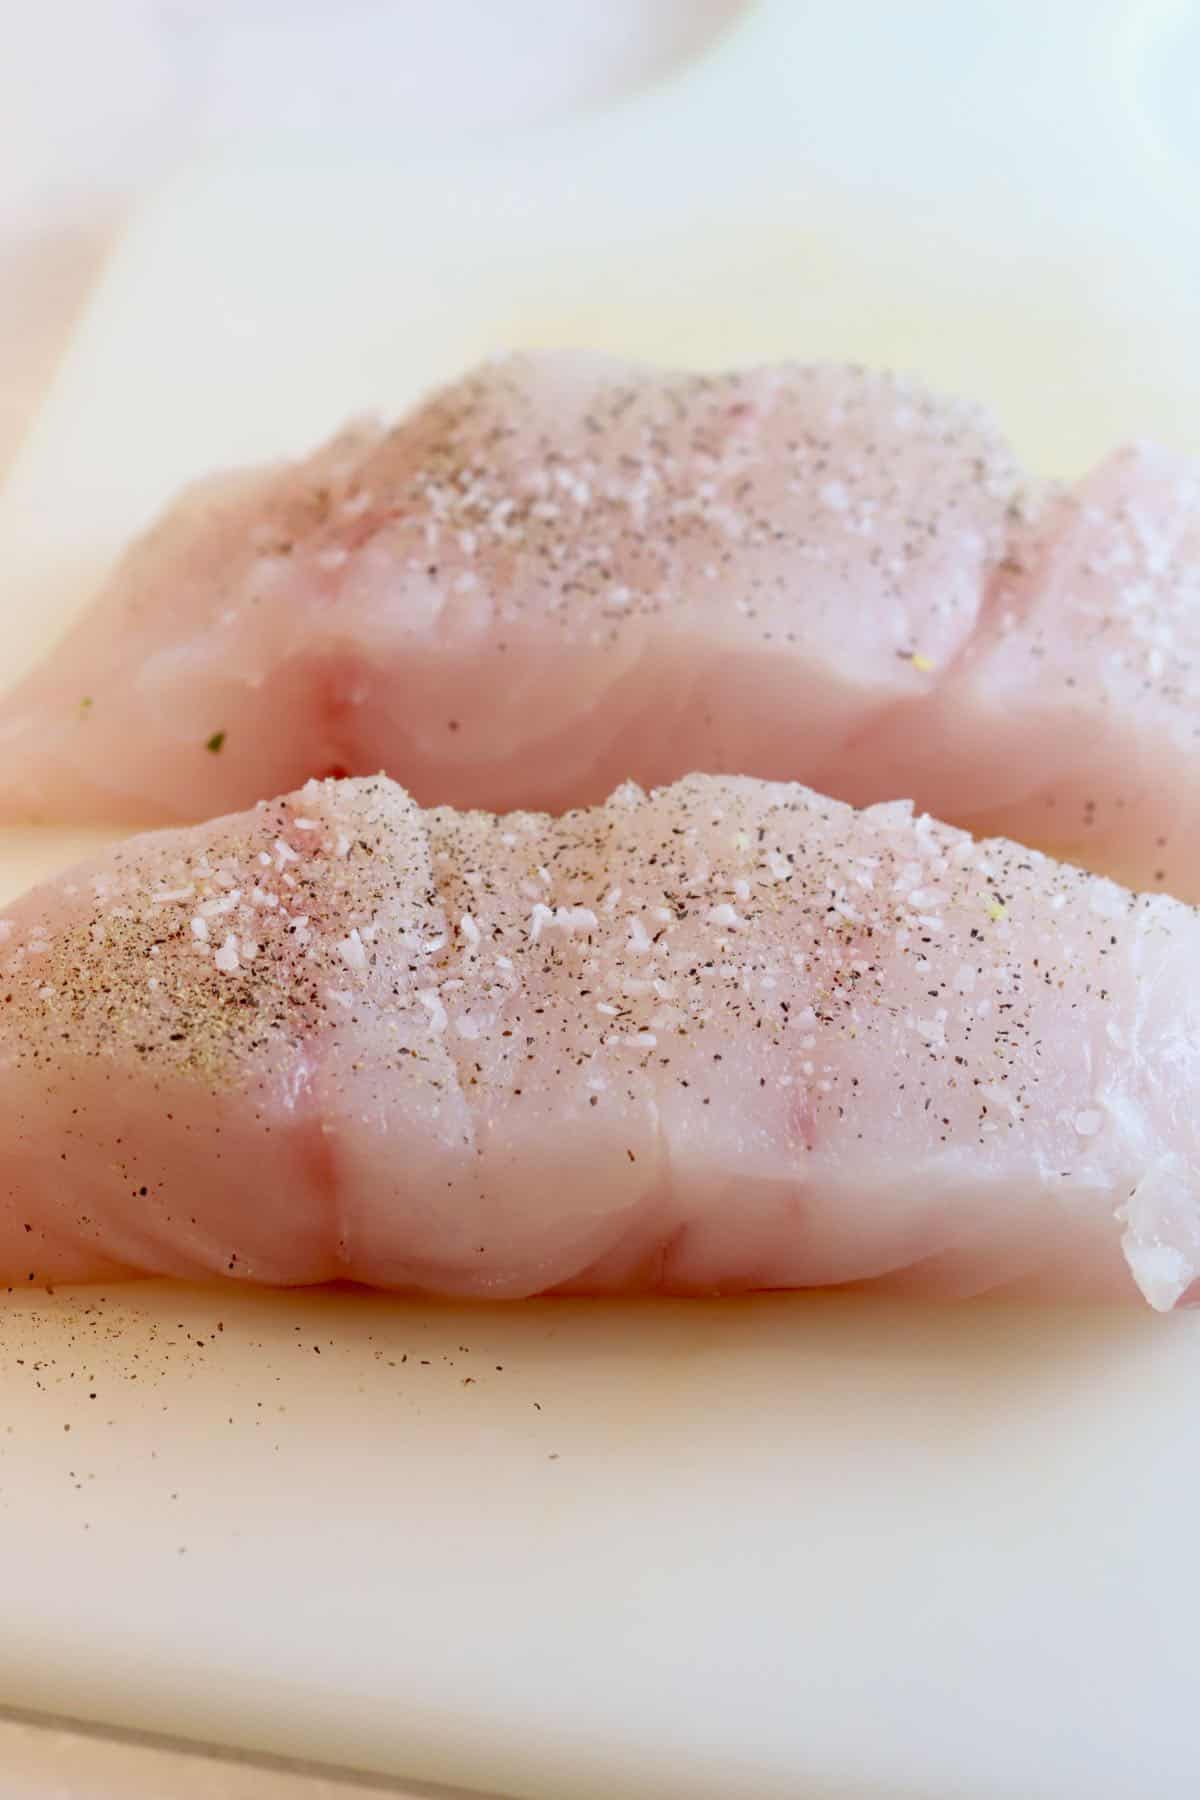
(730, 1035)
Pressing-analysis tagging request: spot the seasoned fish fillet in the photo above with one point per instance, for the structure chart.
(565, 571)
(1072, 718)
(728, 1035)
(561, 573)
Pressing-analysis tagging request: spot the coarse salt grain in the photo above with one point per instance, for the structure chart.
(996, 1095)
(226, 958)
(431, 1001)
(216, 908)
(352, 951)
(541, 916)
(639, 937)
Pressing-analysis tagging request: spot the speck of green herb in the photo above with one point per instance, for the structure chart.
(85, 706)
(215, 742)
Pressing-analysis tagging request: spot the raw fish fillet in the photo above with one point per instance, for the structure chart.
(730, 1035)
(566, 571)
(1072, 719)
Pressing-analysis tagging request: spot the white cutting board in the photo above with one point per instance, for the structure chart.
(812, 1546)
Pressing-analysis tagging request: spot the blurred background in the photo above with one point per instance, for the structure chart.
(989, 166)
(100, 98)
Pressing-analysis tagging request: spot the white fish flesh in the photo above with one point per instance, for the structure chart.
(725, 1036)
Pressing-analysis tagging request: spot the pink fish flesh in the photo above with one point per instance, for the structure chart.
(725, 1036)
(565, 571)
